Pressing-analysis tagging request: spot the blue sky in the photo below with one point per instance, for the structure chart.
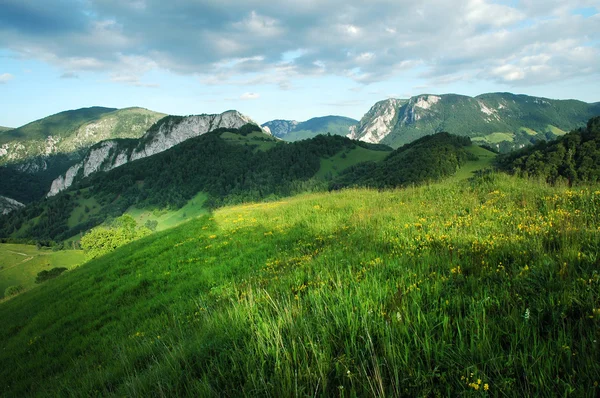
(290, 59)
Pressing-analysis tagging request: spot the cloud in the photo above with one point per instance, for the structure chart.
(248, 43)
(5, 78)
(69, 75)
(249, 96)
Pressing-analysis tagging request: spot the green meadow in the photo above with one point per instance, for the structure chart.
(486, 287)
(20, 264)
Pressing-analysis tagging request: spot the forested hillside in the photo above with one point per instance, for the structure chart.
(573, 158)
(427, 159)
(229, 165)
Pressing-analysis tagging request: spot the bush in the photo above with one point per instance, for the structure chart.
(43, 276)
(13, 290)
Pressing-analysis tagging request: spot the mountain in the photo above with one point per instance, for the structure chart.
(2, 129)
(164, 134)
(47, 147)
(291, 130)
(70, 132)
(223, 166)
(503, 120)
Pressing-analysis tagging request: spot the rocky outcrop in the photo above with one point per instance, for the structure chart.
(280, 128)
(7, 205)
(378, 122)
(165, 134)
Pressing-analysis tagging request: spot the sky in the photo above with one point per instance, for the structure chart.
(288, 59)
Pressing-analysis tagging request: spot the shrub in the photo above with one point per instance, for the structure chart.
(13, 290)
(43, 276)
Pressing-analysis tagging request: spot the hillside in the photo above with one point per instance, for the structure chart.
(486, 288)
(20, 264)
(2, 129)
(573, 158)
(430, 158)
(503, 120)
(46, 148)
(162, 135)
(226, 165)
(72, 131)
(291, 130)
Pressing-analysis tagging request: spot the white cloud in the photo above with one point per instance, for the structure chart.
(249, 96)
(244, 43)
(5, 78)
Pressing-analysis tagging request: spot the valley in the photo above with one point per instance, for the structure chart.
(208, 255)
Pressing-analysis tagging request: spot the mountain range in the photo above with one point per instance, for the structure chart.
(291, 130)
(503, 120)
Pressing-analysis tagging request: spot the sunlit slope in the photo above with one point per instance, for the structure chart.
(440, 290)
(20, 264)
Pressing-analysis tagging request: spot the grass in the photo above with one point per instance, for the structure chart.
(169, 218)
(485, 161)
(495, 138)
(528, 131)
(262, 141)
(19, 264)
(335, 164)
(555, 130)
(83, 210)
(453, 289)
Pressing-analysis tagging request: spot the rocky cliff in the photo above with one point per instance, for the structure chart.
(163, 135)
(7, 205)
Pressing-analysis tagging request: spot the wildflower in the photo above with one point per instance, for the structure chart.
(486, 387)
(212, 237)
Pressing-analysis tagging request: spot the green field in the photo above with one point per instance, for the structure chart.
(489, 287)
(485, 161)
(333, 165)
(262, 141)
(495, 138)
(19, 264)
(170, 218)
(555, 130)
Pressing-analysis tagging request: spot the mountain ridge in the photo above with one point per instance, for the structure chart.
(504, 120)
(292, 130)
(164, 134)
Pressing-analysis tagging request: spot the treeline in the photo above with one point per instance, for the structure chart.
(427, 159)
(228, 173)
(573, 158)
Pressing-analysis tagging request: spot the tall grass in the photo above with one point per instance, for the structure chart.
(490, 288)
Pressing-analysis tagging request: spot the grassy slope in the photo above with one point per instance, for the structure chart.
(60, 124)
(2, 128)
(485, 161)
(171, 218)
(415, 292)
(334, 165)
(19, 264)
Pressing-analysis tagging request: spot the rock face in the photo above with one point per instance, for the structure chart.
(7, 205)
(291, 130)
(378, 122)
(165, 134)
(280, 128)
(504, 120)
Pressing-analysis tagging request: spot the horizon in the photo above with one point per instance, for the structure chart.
(295, 120)
(288, 61)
